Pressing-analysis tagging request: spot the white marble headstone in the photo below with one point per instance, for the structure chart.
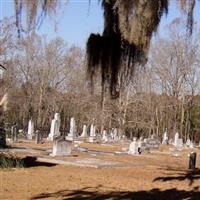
(84, 133)
(179, 143)
(165, 138)
(176, 137)
(187, 142)
(30, 130)
(92, 134)
(105, 136)
(133, 148)
(72, 130)
(55, 127)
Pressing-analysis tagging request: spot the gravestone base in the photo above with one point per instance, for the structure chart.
(61, 147)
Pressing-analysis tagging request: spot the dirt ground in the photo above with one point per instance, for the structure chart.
(155, 175)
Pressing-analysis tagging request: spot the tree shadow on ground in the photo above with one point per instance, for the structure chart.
(191, 176)
(98, 194)
(9, 161)
(32, 162)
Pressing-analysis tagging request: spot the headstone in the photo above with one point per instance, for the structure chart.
(112, 135)
(61, 147)
(92, 136)
(188, 142)
(152, 144)
(2, 138)
(30, 130)
(165, 138)
(191, 145)
(38, 137)
(179, 143)
(55, 127)
(115, 135)
(141, 145)
(84, 133)
(175, 151)
(153, 136)
(133, 148)
(170, 141)
(192, 161)
(14, 132)
(72, 130)
(176, 137)
(105, 136)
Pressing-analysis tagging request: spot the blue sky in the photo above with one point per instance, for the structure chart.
(79, 19)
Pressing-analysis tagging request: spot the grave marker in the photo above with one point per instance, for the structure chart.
(30, 130)
(61, 147)
(55, 127)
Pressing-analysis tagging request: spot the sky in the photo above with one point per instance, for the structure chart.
(79, 18)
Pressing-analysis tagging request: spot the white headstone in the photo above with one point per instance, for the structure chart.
(72, 130)
(176, 137)
(92, 134)
(165, 138)
(55, 127)
(133, 148)
(105, 136)
(188, 142)
(84, 133)
(61, 147)
(179, 143)
(92, 131)
(140, 142)
(191, 145)
(72, 127)
(30, 130)
(115, 135)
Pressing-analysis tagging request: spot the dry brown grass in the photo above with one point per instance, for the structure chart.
(158, 175)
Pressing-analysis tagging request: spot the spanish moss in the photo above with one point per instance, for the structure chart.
(124, 43)
(128, 28)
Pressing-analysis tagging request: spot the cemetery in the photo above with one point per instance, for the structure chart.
(75, 161)
(99, 99)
